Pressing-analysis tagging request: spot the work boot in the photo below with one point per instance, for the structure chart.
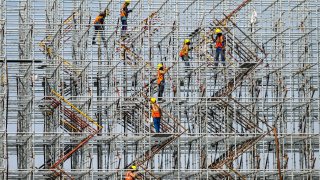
(93, 42)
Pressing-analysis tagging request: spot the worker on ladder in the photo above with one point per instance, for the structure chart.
(124, 12)
(132, 174)
(99, 25)
(156, 114)
(184, 53)
(220, 41)
(161, 82)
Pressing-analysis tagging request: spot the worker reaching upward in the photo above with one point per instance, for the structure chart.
(124, 12)
(156, 114)
(99, 25)
(160, 80)
(132, 174)
(220, 41)
(184, 53)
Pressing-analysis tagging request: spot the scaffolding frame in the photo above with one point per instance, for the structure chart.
(70, 109)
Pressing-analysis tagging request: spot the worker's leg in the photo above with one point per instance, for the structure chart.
(186, 60)
(160, 90)
(102, 33)
(124, 25)
(156, 123)
(216, 59)
(223, 57)
(96, 30)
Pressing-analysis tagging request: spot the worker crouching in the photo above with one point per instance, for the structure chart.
(132, 174)
(99, 25)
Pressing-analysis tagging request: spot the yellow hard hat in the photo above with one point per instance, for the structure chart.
(187, 41)
(218, 31)
(133, 167)
(153, 100)
(127, 1)
(160, 66)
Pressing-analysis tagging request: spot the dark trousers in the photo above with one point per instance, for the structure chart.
(186, 60)
(220, 52)
(124, 25)
(160, 90)
(156, 123)
(98, 28)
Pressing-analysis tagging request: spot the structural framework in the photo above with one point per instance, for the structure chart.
(73, 110)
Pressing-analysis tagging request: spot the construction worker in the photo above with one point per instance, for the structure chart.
(99, 25)
(161, 82)
(131, 174)
(220, 46)
(184, 53)
(156, 114)
(124, 12)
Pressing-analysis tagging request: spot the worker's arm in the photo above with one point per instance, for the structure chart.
(136, 175)
(164, 71)
(214, 38)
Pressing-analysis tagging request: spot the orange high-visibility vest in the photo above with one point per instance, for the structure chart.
(129, 176)
(184, 51)
(160, 77)
(99, 19)
(219, 42)
(123, 12)
(155, 111)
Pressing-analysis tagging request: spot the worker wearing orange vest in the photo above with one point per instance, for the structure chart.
(99, 25)
(160, 80)
(131, 174)
(156, 114)
(124, 12)
(220, 46)
(184, 53)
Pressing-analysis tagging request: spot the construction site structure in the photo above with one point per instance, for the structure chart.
(70, 109)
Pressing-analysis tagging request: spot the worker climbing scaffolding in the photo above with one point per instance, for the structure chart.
(184, 53)
(220, 41)
(132, 173)
(161, 81)
(124, 12)
(99, 26)
(156, 114)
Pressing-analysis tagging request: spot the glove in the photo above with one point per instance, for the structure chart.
(130, 11)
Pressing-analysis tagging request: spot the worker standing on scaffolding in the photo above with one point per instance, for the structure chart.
(161, 82)
(131, 174)
(99, 26)
(184, 53)
(124, 12)
(156, 114)
(220, 41)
